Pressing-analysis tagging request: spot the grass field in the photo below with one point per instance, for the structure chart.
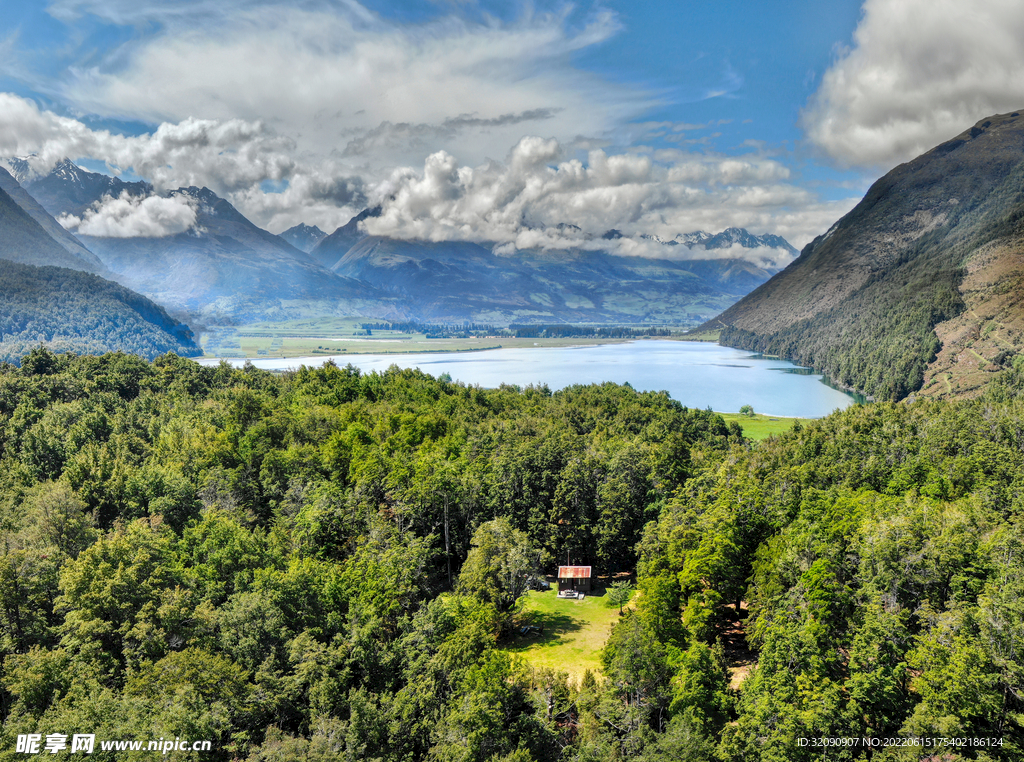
(343, 336)
(574, 632)
(702, 336)
(760, 426)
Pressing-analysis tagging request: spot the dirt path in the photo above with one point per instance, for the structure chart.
(738, 656)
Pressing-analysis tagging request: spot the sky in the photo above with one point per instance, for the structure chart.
(523, 125)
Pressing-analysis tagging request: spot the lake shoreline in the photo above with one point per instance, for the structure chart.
(698, 375)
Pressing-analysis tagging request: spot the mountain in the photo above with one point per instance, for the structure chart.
(222, 267)
(333, 247)
(303, 237)
(69, 189)
(467, 281)
(919, 288)
(67, 309)
(81, 257)
(733, 237)
(23, 239)
(73, 311)
(462, 280)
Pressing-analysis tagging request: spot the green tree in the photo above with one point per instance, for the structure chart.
(500, 568)
(619, 593)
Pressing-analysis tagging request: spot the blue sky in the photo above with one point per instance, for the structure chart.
(495, 121)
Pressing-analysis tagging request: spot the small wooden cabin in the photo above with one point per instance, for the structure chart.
(574, 578)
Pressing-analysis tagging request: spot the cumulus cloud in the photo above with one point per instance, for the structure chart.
(130, 216)
(309, 112)
(919, 72)
(539, 198)
(519, 201)
(234, 158)
(227, 155)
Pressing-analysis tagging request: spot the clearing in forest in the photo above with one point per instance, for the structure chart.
(760, 426)
(574, 632)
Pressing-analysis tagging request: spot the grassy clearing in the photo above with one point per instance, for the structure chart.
(760, 426)
(574, 632)
(702, 336)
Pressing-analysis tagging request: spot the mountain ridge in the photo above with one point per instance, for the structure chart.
(26, 241)
(74, 247)
(51, 298)
(467, 281)
(862, 302)
(223, 267)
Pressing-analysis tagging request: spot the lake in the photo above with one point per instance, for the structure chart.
(699, 375)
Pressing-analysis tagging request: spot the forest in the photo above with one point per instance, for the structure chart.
(73, 311)
(327, 565)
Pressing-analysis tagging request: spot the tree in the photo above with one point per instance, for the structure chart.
(636, 664)
(500, 567)
(747, 410)
(619, 593)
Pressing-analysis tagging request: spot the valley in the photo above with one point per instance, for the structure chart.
(330, 336)
(480, 381)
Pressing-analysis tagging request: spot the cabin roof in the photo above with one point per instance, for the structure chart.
(574, 572)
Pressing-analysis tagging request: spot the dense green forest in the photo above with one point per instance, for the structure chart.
(326, 565)
(73, 311)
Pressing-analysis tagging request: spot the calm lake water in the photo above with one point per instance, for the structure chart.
(699, 375)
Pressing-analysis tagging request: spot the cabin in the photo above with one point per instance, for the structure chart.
(574, 578)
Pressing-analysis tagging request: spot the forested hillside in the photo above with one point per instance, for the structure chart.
(325, 566)
(72, 311)
(873, 301)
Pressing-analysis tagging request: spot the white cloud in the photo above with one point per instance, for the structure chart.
(540, 184)
(919, 73)
(134, 217)
(310, 111)
(227, 155)
(341, 79)
(540, 199)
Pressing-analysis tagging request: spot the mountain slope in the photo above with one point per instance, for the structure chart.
(329, 249)
(64, 307)
(23, 239)
(72, 311)
(867, 302)
(223, 267)
(86, 260)
(67, 309)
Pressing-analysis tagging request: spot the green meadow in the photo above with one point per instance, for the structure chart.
(574, 632)
(758, 427)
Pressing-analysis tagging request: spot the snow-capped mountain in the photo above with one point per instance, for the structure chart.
(734, 237)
